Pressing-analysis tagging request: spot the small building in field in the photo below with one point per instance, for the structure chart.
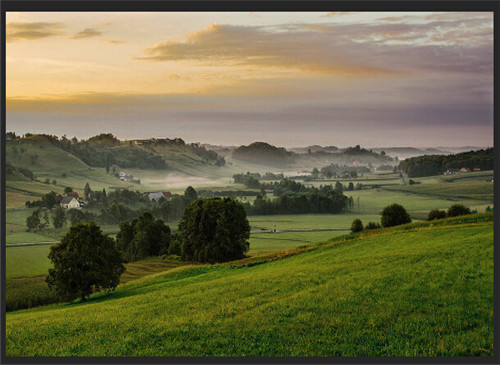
(69, 202)
(158, 195)
(477, 169)
(464, 169)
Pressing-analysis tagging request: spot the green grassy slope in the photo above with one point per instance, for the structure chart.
(422, 291)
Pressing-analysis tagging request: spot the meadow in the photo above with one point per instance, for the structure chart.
(424, 289)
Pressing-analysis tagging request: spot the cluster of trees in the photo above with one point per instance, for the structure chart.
(207, 154)
(438, 164)
(392, 215)
(264, 153)
(214, 230)
(87, 260)
(143, 237)
(358, 151)
(248, 180)
(298, 203)
(454, 211)
(334, 170)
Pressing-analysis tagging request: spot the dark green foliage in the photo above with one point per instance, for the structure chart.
(190, 194)
(87, 190)
(436, 214)
(287, 186)
(335, 170)
(357, 225)
(68, 189)
(175, 247)
(49, 200)
(395, 215)
(339, 187)
(59, 218)
(214, 230)
(438, 164)
(143, 237)
(33, 221)
(248, 180)
(86, 260)
(116, 213)
(322, 200)
(372, 225)
(458, 209)
(264, 153)
(79, 216)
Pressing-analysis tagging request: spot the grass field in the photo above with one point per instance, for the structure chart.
(27, 261)
(422, 291)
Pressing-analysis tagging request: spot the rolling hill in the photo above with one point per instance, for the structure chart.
(424, 289)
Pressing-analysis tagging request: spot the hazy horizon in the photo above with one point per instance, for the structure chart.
(416, 79)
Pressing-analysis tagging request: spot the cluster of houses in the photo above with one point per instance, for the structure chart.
(71, 200)
(460, 171)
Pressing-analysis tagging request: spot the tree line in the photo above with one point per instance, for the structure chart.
(429, 165)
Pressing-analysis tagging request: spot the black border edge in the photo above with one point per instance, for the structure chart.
(221, 5)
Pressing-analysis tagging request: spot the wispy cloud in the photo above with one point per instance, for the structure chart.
(87, 33)
(451, 44)
(31, 31)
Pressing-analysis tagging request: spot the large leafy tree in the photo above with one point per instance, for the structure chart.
(59, 218)
(143, 237)
(394, 215)
(85, 260)
(214, 230)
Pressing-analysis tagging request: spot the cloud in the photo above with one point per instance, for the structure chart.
(87, 33)
(453, 44)
(111, 41)
(334, 13)
(30, 31)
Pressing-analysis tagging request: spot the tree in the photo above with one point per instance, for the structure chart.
(68, 189)
(85, 260)
(315, 173)
(87, 190)
(214, 230)
(49, 200)
(33, 221)
(436, 214)
(107, 163)
(394, 215)
(143, 237)
(59, 218)
(458, 209)
(339, 187)
(357, 225)
(190, 194)
(350, 187)
(372, 225)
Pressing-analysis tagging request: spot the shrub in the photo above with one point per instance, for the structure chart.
(214, 230)
(357, 225)
(372, 225)
(85, 260)
(458, 209)
(395, 215)
(436, 214)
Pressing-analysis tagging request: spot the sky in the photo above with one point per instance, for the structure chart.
(291, 79)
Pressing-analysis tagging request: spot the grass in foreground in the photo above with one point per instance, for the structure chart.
(421, 291)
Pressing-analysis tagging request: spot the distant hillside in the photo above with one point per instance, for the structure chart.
(264, 154)
(314, 148)
(429, 165)
(106, 151)
(407, 152)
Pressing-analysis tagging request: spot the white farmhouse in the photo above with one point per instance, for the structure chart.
(70, 202)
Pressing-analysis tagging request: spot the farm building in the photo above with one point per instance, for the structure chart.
(69, 202)
(464, 169)
(158, 195)
(73, 194)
